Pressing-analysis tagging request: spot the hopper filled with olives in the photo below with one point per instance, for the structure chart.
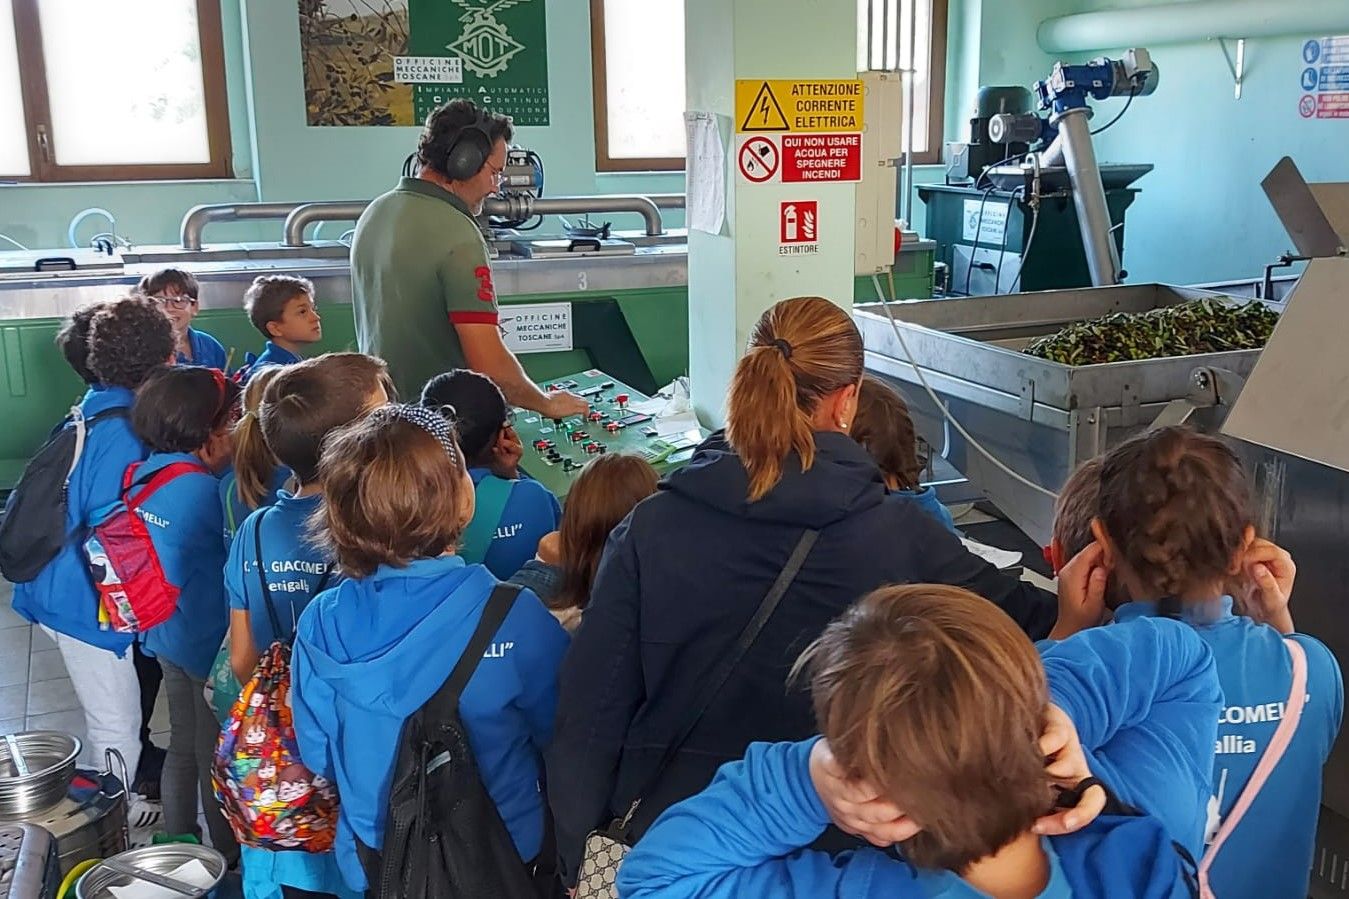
(1198, 326)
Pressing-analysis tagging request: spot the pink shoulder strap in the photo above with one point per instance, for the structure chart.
(1292, 714)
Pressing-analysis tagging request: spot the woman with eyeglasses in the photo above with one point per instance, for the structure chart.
(421, 277)
(176, 293)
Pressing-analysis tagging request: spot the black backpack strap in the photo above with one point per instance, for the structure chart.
(262, 577)
(717, 679)
(114, 412)
(445, 702)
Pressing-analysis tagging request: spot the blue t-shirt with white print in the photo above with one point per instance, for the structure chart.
(1270, 851)
(293, 567)
(531, 511)
(235, 509)
(183, 519)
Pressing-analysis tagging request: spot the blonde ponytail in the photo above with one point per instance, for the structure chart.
(254, 464)
(800, 350)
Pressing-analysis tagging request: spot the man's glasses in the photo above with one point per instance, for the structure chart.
(178, 302)
(498, 174)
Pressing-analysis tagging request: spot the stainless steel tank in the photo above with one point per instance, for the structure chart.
(1037, 417)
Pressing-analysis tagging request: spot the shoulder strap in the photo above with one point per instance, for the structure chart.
(113, 412)
(81, 430)
(490, 495)
(717, 679)
(262, 576)
(446, 699)
(1269, 759)
(151, 483)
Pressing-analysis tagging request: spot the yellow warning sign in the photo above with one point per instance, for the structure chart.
(791, 105)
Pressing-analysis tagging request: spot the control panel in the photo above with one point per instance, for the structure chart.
(557, 450)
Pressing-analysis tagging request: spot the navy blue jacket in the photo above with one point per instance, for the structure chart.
(678, 581)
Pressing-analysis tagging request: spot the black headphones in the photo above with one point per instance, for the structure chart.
(469, 151)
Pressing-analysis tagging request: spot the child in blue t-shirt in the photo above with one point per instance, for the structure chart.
(304, 403)
(113, 348)
(177, 292)
(283, 310)
(372, 650)
(254, 479)
(513, 511)
(1174, 530)
(883, 426)
(183, 415)
(937, 725)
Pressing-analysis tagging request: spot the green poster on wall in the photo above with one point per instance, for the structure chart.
(390, 62)
(502, 50)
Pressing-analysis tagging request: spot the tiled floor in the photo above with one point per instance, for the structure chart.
(35, 691)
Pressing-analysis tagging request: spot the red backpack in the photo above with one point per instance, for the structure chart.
(133, 593)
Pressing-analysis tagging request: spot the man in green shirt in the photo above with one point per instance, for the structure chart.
(421, 277)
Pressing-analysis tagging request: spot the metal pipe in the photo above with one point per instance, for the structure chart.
(643, 206)
(668, 201)
(1052, 155)
(1093, 215)
(1196, 20)
(198, 217)
(329, 211)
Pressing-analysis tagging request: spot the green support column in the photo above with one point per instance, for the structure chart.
(735, 275)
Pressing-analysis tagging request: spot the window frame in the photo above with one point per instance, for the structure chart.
(936, 88)
(43, 168)
(605, 164)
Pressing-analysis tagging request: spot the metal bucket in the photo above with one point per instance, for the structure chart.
(35, 770)
(152, 864)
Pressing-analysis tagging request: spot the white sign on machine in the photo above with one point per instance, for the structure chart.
(987, 220)
(536, 327)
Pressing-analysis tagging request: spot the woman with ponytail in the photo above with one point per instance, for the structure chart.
(254, 479)
(686, 571)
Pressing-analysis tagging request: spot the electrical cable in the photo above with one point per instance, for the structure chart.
(1030, 241)
(941, 407)
(1006, 224)
(978, 182)
(1133, 92)
(8, 239)
(408, 169)
(978, 232)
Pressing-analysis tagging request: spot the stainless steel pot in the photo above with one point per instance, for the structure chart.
(89, 822)
(152, 864)
(35, 770)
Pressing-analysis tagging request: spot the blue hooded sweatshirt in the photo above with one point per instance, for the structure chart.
(926, 499)
(742, 836)
(1256, 675)
(63, 596)
(207, 352)
(531, 511)
(373, 650)
(183, 519)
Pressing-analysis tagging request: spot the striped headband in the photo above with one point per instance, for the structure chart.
(429, 420)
